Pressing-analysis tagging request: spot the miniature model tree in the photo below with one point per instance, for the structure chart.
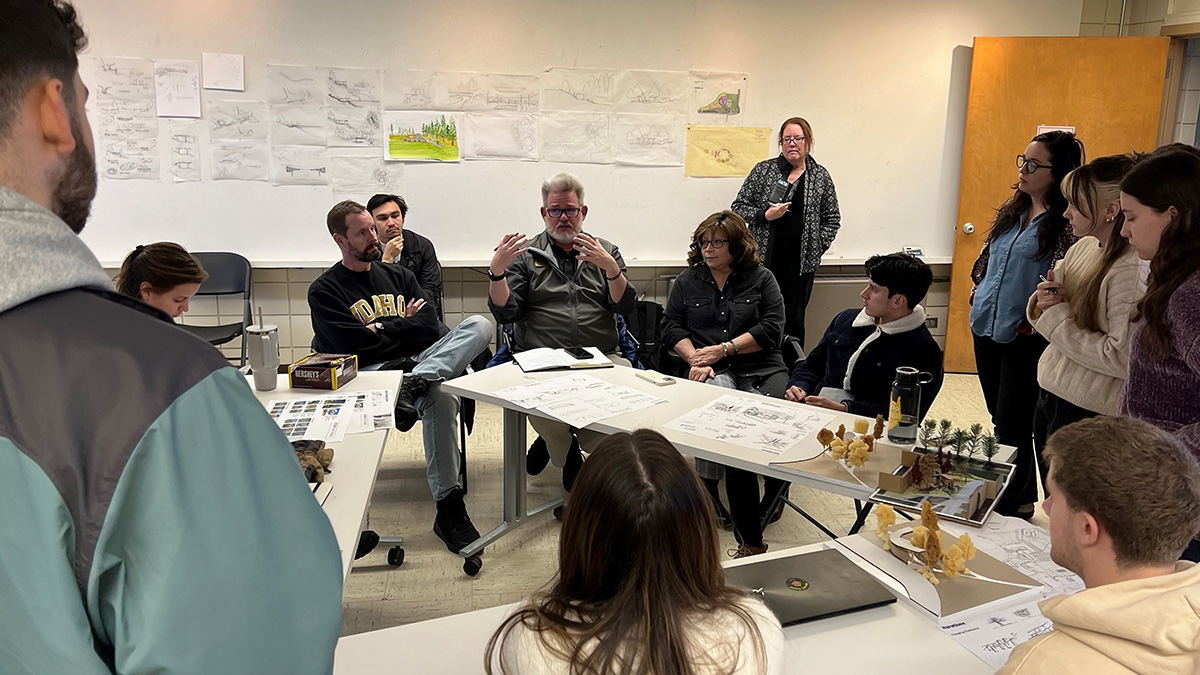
(928, 433)
(960, 441)
(976, 433)
(944, 433)
(991, 448)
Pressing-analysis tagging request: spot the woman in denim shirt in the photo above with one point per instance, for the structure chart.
(725, 320)
(1029, 235)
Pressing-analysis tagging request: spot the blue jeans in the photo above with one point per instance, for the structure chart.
(446, 358)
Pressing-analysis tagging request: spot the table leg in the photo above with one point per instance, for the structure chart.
(515, 488)
(862, 510)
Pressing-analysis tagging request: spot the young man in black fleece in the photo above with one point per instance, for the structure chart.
(379, 312)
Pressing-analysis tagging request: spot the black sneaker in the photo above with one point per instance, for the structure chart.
(411, 389)
(537, 458)
(367, 541)
(452, 524)
(571, 468)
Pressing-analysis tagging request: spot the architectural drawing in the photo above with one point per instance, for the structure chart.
(126, 79)
(576, 137)
(298, 124)
(239, 160)
(358, 176)
(295, 85)
(298, 165)
(1026, 548)
(421, 136)
(717, 98)
(753, 423)
(577, 89)
(649, 140)
(408, 90)
(236, 120)
(512, 93)
(119, 119)
(359, 87)
(353, 127)
(183, 150)
(497, 136)
(652, 91)
(129, 159)
(460, 91)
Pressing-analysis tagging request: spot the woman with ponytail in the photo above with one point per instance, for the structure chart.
(162, 275)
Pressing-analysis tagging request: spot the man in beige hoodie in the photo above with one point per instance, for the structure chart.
(1123, 499)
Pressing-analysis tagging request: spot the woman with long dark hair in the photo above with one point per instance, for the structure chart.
(1029, 235)
(162, 275)
(1083, 307)
(1161, 201)
(640, 588)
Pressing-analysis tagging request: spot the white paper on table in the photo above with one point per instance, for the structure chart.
(584, 138)
(649, 140)
(717, 98)
(577, 89)
(320, 418)
(350, 126)
(119, 119)
(296, 85)
(298, 165)
(223, 71)
(236, 120)
(501, 136)
(177, 87)
(358, 175)
(548, 391)
(1023, 547)
(359, 87)
(129, 159)
(239, 160)
(599, 403)
(652, 91)
(755, 423)
(992, 632)
(408, 90)
(125, 79)
(298, 124)
(183, 150)
(460, 91)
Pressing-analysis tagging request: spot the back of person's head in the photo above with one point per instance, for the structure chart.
(901, 273)
(1139, 483)
(381, 199)
(1168, 177)
(163, 266)
(562, 182)
(335, 220)
(38, 38)
(729, 226)
(638, 565)
(1091, 189)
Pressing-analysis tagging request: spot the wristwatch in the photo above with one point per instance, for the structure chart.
(496, 277)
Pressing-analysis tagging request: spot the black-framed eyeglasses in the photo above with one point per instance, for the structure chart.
(717, 244)
(788, 140)
(1029, 165)
(559, 213)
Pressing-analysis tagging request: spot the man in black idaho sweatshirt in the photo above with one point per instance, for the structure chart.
(379, 312)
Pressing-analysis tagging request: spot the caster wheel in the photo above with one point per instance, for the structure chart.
(395, 556)
(558, 512)
(472, 565)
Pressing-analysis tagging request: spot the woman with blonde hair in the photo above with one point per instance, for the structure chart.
(640, 588)
(1083, 307)
(162, 275)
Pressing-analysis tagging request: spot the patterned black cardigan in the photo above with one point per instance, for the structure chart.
(821, 215)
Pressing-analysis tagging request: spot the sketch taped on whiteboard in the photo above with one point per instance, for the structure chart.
(296, 85)
(358, 87)
(652, 91)
(348, 126)
(460, 91)
(177, 87)
(649, 140)
(120, 118)
(584, 138)
(224, 71)
(496, 136)
(717, 98)
(298, 124)
(408, 90)
(356, 176)
(130, 159)
(125, 79)
(236, 120)
(298, 165)
(239, 160)
(183, 150)
(577, 89)
(512, 93)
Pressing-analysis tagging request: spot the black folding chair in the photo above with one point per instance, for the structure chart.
(228, 274)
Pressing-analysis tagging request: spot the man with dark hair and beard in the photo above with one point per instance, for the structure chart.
(119, 552)
(378, 312)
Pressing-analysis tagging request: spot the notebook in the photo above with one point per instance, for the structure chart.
(811, 586)
(533, 360)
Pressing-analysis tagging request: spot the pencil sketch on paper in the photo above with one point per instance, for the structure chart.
(576, 137)
(236, 120)
(460, 91)
(120, 119)
(130, 159)
(224, 71)
(298, 124)
(358, 176)
(127, 79)
(577, 89)
(239, 160)
(298, 165)
(408, 90)
(652, 91)
(512, 93)
(348, 126)
(359, 87)
(177, 87)
(649, 140)
(295, 85)
(501, 136)
(183, 150)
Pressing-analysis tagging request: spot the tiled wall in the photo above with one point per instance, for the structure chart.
(1189, 97)
(1103, 17)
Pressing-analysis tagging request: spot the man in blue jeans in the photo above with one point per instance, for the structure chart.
(379, 313)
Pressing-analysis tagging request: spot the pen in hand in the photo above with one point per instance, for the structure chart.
(1052, 290)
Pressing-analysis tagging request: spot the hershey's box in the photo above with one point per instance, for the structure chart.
(322, 371)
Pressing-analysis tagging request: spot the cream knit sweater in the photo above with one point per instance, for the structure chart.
(1085, 367)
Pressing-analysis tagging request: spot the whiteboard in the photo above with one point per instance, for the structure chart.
(881, 82)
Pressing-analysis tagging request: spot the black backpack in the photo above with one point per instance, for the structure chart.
(644, 327)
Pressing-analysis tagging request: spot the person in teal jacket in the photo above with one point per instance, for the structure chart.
(153, 519)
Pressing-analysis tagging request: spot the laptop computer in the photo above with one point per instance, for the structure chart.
(811, 586)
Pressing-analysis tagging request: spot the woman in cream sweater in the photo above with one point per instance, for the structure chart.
(1084, 306)
(640, 588)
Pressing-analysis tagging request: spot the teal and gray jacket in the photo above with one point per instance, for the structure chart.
(152, 516)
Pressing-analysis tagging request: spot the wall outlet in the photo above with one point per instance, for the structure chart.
(931, 322)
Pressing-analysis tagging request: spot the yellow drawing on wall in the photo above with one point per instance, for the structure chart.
(725, 151)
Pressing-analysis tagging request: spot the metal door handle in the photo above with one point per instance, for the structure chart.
(969, 228)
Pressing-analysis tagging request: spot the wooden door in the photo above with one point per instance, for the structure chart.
(1109, 89)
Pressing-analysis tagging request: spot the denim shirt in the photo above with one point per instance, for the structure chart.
(1012, 276)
